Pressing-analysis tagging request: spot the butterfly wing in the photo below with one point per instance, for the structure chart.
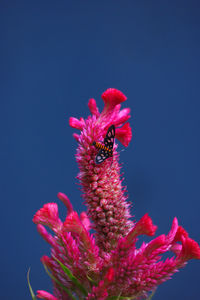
(101, 156)
(108, 142)
(110, 136)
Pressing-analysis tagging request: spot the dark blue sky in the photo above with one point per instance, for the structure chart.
(54, 56)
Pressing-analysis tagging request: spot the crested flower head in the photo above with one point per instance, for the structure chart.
(105, 199)
(106, 264)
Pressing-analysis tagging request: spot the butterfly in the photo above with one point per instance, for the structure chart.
(106, 150)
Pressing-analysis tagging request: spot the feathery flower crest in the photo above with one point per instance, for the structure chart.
(106, 264)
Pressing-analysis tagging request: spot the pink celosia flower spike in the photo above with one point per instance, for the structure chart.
(107, 264)
(101, 184)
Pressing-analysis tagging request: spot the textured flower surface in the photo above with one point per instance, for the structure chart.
(106, 264)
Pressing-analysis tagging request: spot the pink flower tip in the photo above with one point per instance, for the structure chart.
(190, 250)
(124, 134)
(75, 123)
(112, 97)
(173, 231)
(45, 260)
(143, 226)
(155, 244)
(181, 232)
(93, 107)
(45, 295)
(110, 275)
(72, 222)
(147, 225)
(85, 220)
(66, 201)
(48, 215)
(76, 136)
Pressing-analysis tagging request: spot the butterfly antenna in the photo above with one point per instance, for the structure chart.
(122, 150)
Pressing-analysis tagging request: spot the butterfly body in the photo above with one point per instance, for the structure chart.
(101, 146)
(106, 149)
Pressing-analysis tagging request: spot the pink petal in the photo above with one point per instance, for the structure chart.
(45, 295)
(66, 202)
(73, 224)
(111, 98)
(181, 232)
(93, 107)
(98, 292)
(173, 231)
(155, 244)
(76, 136)
(122, 117)
(143, 226)
(124, 134)
(190, 249)
(176, 248)
(46, 236)
(46, 260)
(48, 215)
(75, 123)
(110, 275)
(85, 220)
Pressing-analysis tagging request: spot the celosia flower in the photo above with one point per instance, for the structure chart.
(106, 264)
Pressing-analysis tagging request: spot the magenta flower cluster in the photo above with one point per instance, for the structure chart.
(106, 264)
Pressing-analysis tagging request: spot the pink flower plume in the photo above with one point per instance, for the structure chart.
(106, 264)
(112, 97)
(190, 249)
(48, 215)
(124, 134)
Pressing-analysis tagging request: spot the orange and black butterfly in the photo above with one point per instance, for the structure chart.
(106, 150)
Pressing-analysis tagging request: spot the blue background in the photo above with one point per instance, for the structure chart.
(54, 56)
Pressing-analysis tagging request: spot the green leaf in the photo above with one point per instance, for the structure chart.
(59, 283)
(92, 281)
(72, 277)
(29, 285)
